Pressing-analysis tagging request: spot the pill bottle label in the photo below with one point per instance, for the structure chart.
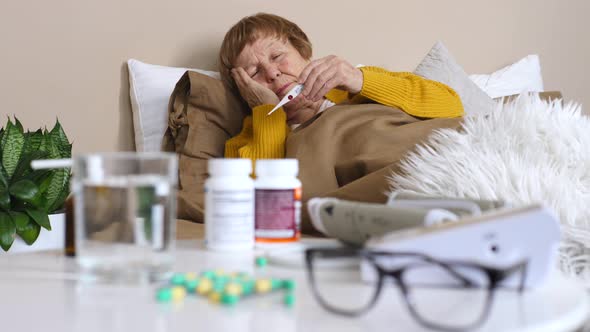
(277, 214)
(229, 215)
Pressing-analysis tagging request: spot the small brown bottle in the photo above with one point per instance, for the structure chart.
(70, 236)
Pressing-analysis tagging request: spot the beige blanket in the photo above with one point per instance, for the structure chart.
(348, 151)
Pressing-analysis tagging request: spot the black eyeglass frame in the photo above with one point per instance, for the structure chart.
(495, 277)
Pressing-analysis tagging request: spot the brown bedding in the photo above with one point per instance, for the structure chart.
(348, 151)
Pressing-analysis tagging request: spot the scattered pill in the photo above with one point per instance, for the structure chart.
(263, 285)
(289, 284)
(218, 286)
(261, 261)
(276, 283)
(248, 287)
(289, 299)
(164, 294)
(177, 279)
(205, 286)
(233, 289)
(215, 297)
(191, 285)
(178, 293)
(228, 299)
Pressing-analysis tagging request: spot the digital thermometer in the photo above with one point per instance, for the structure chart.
(288, 97)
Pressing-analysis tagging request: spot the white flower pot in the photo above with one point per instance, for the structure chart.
(47, 240)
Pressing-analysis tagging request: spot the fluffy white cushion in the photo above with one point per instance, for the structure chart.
(526, 151)
(439, 65)
(521, 76)
(150, 87)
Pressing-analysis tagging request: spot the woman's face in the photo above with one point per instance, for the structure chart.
(275, 64)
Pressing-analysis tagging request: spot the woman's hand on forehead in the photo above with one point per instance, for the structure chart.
(254, 93)
(322, 75)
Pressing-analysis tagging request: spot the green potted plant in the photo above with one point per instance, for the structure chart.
(30, 198)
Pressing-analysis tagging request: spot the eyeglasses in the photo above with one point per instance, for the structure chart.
(444, 295)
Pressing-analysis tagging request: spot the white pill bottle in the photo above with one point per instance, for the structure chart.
(277, 201)
(229, 205)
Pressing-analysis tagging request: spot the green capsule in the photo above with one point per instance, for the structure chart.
(221, 279)
(208, 274)
(289, 299)
(229, 300)
(177, 279)
(218, 286)
(289, 284)
(164, 294)
(248, 287)
(191, 285)
(261, 261)
(276, 283)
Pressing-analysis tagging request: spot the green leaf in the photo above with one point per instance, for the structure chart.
(59, 179)
(19, 125)
(20, 219)
(60, 140)
(58, 182)
(42, 177)
(43, 143)
(26, 228)
(7, 231)
(24, 164)
(4, 136)
(61, 198)
(25, 190)
(33, 141)
(3, 177)
(40, 217)
(4, 198)
(11, 151)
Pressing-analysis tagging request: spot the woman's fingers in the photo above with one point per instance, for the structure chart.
(238, 79)
(252, 92)
(324, 74)
(311, 73)
(325, 82)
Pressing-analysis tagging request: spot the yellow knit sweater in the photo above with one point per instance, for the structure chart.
(263, 137)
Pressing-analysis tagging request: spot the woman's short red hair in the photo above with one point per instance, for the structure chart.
(249, 29)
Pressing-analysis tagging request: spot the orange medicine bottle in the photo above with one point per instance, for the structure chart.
(277, 191)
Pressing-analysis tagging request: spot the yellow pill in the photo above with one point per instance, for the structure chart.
(215, 297)
(263, 285)
(219, 272)
(205, 286)
(190, 276)
(233, 289)
(178, 293)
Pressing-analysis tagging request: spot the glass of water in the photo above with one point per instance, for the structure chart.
(125, 215)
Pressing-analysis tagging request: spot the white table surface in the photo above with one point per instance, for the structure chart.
(40, 292)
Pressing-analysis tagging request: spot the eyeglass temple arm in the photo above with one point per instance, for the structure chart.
(500, 275)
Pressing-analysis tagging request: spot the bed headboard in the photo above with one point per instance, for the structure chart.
(66, 59)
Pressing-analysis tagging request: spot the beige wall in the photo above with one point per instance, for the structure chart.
(65, 58)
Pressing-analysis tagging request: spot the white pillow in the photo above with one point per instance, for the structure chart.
(150, 87)
(439, 65)
(521, 76)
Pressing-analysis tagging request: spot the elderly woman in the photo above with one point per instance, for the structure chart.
(265, 55)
